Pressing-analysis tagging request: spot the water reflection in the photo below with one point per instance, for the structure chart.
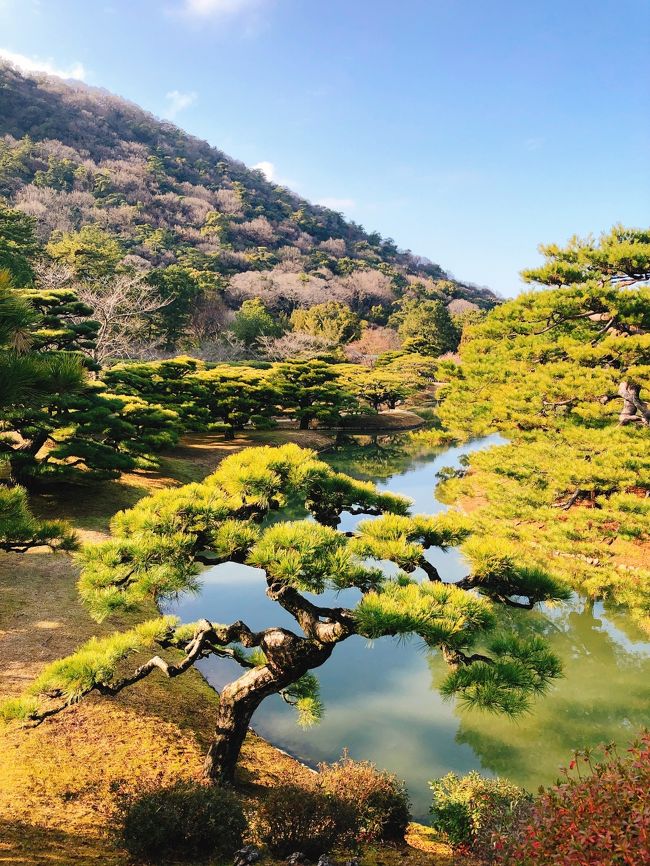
(381, 699)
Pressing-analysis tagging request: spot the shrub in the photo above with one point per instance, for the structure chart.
(185, 821)
(470, 810)
(600, 817)
(302, 816)
(378, 800)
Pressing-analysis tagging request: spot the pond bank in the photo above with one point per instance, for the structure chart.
(381, 700)
(58, 781)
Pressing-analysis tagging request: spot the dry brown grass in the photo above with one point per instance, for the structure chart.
(60, 781)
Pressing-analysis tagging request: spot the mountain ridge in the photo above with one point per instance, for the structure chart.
(72, 156)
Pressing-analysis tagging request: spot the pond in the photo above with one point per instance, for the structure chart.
(381, 702)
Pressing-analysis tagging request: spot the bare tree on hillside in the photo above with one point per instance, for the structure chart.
(122, 305)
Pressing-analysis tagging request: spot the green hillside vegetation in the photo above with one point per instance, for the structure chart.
(564, 373)
(114, 192)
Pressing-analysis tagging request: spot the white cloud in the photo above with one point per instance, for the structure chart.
(177, 101)
(270, 172)
(37, 64)
(207, 8)
(267, 169)
(336, 203)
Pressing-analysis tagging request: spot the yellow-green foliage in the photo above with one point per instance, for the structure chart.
(571, 490)
(157, 546)
(403, 540)
(439, 613)
(520, 371)
(524, 486)
(19, 529)
(96, 661)
(18, 709)
(304, 695)
(310, 557)
(154, 546)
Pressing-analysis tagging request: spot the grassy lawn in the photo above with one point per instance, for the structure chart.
(60, 781)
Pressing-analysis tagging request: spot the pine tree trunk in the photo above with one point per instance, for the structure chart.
(635, 410)
(233, 720)
(22, 461)
(239, 699)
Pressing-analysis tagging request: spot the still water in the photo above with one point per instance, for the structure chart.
(380, 697)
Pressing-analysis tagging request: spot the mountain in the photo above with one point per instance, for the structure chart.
(74, 156)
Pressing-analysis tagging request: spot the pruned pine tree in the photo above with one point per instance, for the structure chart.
(578, 352)
(157, 550)
(312, 391)
(564, 373)
(28, 377)
(222, 398)
(20, 531)
(56, 425)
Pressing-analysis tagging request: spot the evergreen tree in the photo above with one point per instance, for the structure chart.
(253, 320)
(222, 398)
(426, 327)
(157, 547)
(56, 424)
(377, 387)
(564, 372)
(311, 390)
(92, 252)
(18, 246)
(22, 375)
(180, 289)
(332, 321)
(19, 530)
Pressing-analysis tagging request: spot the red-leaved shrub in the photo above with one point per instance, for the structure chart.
(598, 816)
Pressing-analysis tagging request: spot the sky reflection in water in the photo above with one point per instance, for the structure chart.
(380, 697)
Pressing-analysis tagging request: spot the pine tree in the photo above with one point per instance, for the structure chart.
(311, 390)
(18, 246)
(426, 327)
(158, 546)
(57, 425)
(564, 372)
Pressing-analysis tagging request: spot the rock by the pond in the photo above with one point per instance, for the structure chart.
(324, 860)
(297, 858)
(246, 856)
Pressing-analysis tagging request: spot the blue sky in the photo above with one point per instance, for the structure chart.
(467, 130)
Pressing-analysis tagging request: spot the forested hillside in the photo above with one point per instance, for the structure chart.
(115, 192)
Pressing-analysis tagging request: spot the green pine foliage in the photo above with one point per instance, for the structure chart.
(94, 665)
(57, 425)
(158, 546)
(19, 529)
(18, 246)
(553, 370)
(311, 390)
(229, 397)
(426, 327)
(65, 323)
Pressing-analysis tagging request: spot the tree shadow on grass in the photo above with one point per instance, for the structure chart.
(24, 844)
